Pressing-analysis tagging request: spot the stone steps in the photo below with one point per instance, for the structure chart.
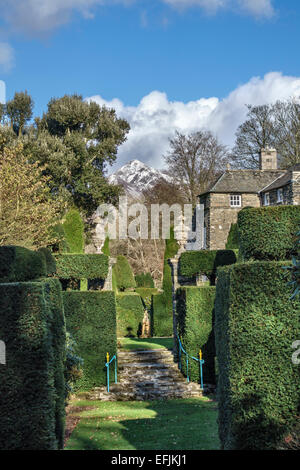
(147, 375)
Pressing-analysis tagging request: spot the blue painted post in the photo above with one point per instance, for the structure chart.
(116, 378)
(107, 366)
(201, 373)
(179, 354)
(187, 368)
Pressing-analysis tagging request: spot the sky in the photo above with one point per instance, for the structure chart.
(164, 65)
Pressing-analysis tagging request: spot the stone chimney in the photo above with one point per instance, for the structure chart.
(268, 159)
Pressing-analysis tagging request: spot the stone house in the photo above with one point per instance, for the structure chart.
(236, 189)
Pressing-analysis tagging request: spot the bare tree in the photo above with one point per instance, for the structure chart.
(194, 161)
(257, 132)
(274, 125)
(287, 124)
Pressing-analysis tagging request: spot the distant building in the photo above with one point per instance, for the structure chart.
(236, 189)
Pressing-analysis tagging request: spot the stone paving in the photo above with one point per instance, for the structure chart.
(147, 375)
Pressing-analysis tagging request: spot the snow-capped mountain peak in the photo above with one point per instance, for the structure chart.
(136, 177)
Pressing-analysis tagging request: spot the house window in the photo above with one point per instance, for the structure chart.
(235, 200)
(267, 199)
(279, 195)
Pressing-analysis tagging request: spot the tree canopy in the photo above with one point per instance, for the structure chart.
(74, 142)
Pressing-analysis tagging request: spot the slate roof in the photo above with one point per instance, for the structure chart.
(244, 181)
(282, 180)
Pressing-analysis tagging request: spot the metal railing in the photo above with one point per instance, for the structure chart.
(107, 364)
(200, 360)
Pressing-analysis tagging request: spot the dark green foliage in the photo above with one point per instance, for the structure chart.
(130, 314)
(162, 306)
(73, 228)
(268, 233)
(91, 320)
(21, 264)
(31, 409)
(195, 312)
(256, 323)
(82, 266)
(105, 249)
(233, 238)
(144, 280)
(53, 294)
(59, 233)
(123, 274)
(205, 262)
(50, 261)
(73, 366)
(162, 317)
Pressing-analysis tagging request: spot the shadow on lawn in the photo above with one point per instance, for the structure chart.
(175, 425)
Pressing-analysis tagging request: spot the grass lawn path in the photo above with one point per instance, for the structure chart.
(182, 424)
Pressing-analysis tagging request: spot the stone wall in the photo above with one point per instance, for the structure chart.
(219, 215)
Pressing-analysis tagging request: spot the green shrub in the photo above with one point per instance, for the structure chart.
(123, 274)
(162, 316)
(53, 294)
(61, 246)
(162, 304)
(74, 228)
(255, 326)
(105, 249)
(268, 233)
(144, 280)
(205, 262)
(50, 261)
(30, 407)
(91, 320)
(81, 266)
(195, 312)
(233, 238)
(73, 366)
(20, 264)
(130, 314)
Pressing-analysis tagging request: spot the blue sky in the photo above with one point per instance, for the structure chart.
(163, 64)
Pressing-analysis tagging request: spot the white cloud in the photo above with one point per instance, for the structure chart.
(155, 118)
(7, 57)
(256, 8)
(42, 16)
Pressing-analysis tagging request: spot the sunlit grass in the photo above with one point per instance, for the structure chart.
(183, 424)
(130, 344)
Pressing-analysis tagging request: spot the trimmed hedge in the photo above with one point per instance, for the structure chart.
(195, 316)
(50, 261)
(233, 238)
(205, 262)
(91, 320)
(20, 264)
(81, 266)
(31, 382)
(162, 304)
(268, 233)
(144, 280)
(53, 294)
(73, 229)
(123, 274)
(258, 385)
(106, 249)
(130, 314)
